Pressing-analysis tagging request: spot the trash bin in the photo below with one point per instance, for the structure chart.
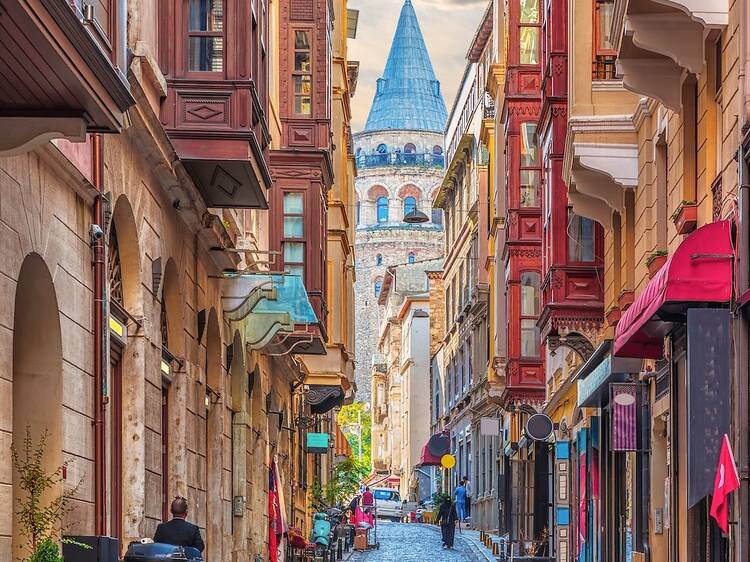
(158, 552)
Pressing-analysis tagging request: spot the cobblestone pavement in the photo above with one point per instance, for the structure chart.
(401, 542)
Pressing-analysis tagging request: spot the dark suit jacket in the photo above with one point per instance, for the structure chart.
(179, 533)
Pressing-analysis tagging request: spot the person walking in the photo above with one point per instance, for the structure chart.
(447, 520)
(178, 531)
(460, 495)
(367, 498)
(467, 485)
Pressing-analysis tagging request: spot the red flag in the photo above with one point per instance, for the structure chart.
(725, 482)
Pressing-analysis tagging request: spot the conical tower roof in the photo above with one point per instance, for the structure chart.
(408, 95)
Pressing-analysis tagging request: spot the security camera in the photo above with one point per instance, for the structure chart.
(96, 232)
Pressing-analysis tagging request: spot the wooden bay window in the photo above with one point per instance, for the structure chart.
(302, 74)
(205, 36)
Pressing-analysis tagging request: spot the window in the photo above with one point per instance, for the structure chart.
(437, 216)
(410, 205)
(412, 258)
(302, 73)
(580, 238)
(528, 32)
(529, 178)
(529, 312)
(605, 52)
(409, 148)
(378, 287)
(437, 155)
(379, 259)
(206, 36)
(294, 229)
(382, 205)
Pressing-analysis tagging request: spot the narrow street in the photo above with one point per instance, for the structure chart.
(414, 543)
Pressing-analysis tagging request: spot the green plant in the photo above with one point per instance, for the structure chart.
(39, 519)
(654, 255)
(352, 418)
(344, 481)
(439, 498)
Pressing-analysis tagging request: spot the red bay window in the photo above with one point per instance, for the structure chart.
(293, 244)
(528, 32)
(205, 36)
(302, 73)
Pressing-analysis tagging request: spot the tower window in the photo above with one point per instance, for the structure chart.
(382, 205)
(378, 287)
(410, 205)
(412, 258)
(379, 259)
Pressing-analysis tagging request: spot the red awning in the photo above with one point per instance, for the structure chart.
(427, 458)
(699, 271)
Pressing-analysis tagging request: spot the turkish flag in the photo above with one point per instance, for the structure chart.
(725, 482)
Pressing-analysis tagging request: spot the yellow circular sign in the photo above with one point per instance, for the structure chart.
(448, 461)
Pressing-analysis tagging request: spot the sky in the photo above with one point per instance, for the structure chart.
(447, 25)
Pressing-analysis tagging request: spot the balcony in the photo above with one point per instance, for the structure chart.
(400, 159)
(662, 41)
(55, 79)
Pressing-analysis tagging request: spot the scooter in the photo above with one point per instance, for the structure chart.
(321, 530)
(149, 551)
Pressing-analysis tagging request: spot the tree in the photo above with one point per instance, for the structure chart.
(38, 519)
(349, 419)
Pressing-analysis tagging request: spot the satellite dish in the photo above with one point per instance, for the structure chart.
(439, 445)
(539, 427)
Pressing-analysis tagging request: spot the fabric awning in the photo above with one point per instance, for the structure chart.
(427, 458)
(699, 271)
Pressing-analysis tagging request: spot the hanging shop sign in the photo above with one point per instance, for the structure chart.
(539, 427)
(316, 443)
(448, 461)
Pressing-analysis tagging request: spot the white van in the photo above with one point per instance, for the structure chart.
(387, 502)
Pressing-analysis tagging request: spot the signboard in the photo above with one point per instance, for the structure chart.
(316, 443)
(489, 426)
(708, 386)
(597, 377)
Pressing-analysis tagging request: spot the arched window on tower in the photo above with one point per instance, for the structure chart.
(379, 259)
(412, 258)
(410, 156)
(378, 287)
(382, 204)
(437, 154)
(410, 205)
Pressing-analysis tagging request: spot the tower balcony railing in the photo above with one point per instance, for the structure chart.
(386, 159)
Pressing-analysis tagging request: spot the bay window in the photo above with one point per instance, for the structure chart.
(530, 174)
(528, 32)
(293, 245)
(605, 51)
(529, 313)
(205, 35)
(580, 238)
(302, 75)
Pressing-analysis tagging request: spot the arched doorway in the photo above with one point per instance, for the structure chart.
(215, 401)
(37, 372)
(125, 302)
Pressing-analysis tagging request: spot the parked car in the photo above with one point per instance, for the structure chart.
(388, 503)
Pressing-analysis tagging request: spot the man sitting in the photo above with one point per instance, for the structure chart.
(178, 531)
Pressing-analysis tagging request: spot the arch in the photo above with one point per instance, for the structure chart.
(171, 308)
(410, 205)
(409, 148)
(37, 373)
(382, 209)
(124, 231)
(377, 191)
(382, 148)
(437, 149)
(409, 190)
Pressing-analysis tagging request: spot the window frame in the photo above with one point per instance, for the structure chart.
(294, 239)
(530, 25)
(523, 315)
(534, 168)
(385, 205)
(295, 73)
(188, 34)
(571, 237)
(599, 56)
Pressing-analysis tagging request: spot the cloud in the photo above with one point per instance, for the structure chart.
(447, 25)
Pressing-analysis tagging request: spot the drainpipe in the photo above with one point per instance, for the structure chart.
(100, 484)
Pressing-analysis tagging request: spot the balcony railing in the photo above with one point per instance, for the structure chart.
(385, 159)
(603, 67)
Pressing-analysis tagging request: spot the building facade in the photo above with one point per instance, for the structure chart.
(400, 158)
(177, 338)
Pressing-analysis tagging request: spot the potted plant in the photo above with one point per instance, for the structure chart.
(535, 550)
(613, 315)
(685, 218)
(654, 262)
(40, 518)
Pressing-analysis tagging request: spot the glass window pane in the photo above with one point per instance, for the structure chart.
(302, 62)
(382, 206)
(206, 54)
(294, 252)
(294, 227)
(529, 45)
(206, 15)
(410, 204)
(303, 105)
(528, 145)
(529, 188)
(605, 11)
(298, 270)
(301, 40)
(580, 238)
(302, 85)
(529, 294)
(529, 11)
(294, 203)
(529, 338)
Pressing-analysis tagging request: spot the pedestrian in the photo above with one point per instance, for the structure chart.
(460, 495)
(467, 485)
(367, 498)
(447, 520)
(178, 531)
